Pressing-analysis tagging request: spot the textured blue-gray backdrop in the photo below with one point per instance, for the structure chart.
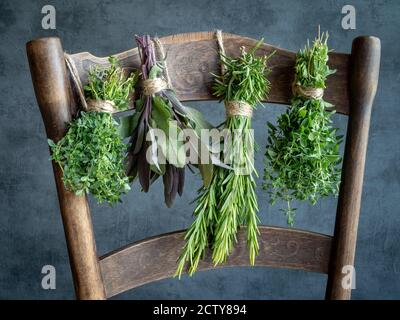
(31, 233)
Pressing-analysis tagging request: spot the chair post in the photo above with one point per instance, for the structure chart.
(53, 93)
(364, 73)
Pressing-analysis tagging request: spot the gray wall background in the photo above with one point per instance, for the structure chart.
(31, 233)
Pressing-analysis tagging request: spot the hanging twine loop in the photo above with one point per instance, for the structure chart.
(232, 108)
(162, 58)
(91, 105)
(308, 93)
(152, 86)
(221, 48)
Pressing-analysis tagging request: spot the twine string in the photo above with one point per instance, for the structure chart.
(75, 79)
(221, 49)
(162, 58)
(107, 106)
(238, 108)
(152, 86)
(307, 92)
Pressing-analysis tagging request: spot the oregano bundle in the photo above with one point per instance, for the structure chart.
(91, 154)
(302, 155)
(230, 201)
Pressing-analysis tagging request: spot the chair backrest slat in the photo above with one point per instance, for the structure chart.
(155, 258)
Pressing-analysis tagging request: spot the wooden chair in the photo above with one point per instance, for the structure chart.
(191, 58)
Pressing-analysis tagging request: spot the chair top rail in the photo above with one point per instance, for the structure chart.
(193, 57)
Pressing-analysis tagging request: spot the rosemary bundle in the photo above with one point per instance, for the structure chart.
(230, 199)
(91, 154)
(302, 155)
(159, 109)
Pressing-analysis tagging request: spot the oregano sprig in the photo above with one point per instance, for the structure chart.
(302, 155)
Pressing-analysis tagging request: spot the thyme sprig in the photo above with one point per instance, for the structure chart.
(91, 157)
(92, 152)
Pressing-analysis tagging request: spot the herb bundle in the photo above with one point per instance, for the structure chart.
(91, 154)
(302, 155)
(230, 199)
(110, 84)
(159, 108)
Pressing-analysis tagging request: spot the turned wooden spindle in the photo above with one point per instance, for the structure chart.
(363, 81)
(53, 93)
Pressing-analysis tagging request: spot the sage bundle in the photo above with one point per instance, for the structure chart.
(159, 109)
(230, 201)
(91, 154)
(302, 155)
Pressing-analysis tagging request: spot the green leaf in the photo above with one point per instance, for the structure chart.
(128, 124)
(155, 72)
(162, 118)
(161, 114)
(198, 119)
(176, 154)
(206, 171)
(51, 143)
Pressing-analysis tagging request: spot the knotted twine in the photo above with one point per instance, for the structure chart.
(91, 105)
(307, 92)
(232, 108)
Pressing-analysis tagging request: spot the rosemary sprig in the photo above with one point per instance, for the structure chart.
(302, 156)
(230, 199)
(200, 233)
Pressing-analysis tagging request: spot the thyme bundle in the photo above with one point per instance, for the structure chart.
(159, 108)
(230, 199)
(91, 154)
(302, 155)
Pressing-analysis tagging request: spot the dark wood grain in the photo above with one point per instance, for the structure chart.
(192, 57)
(155, 258)
(364, 74)
(52, 89)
